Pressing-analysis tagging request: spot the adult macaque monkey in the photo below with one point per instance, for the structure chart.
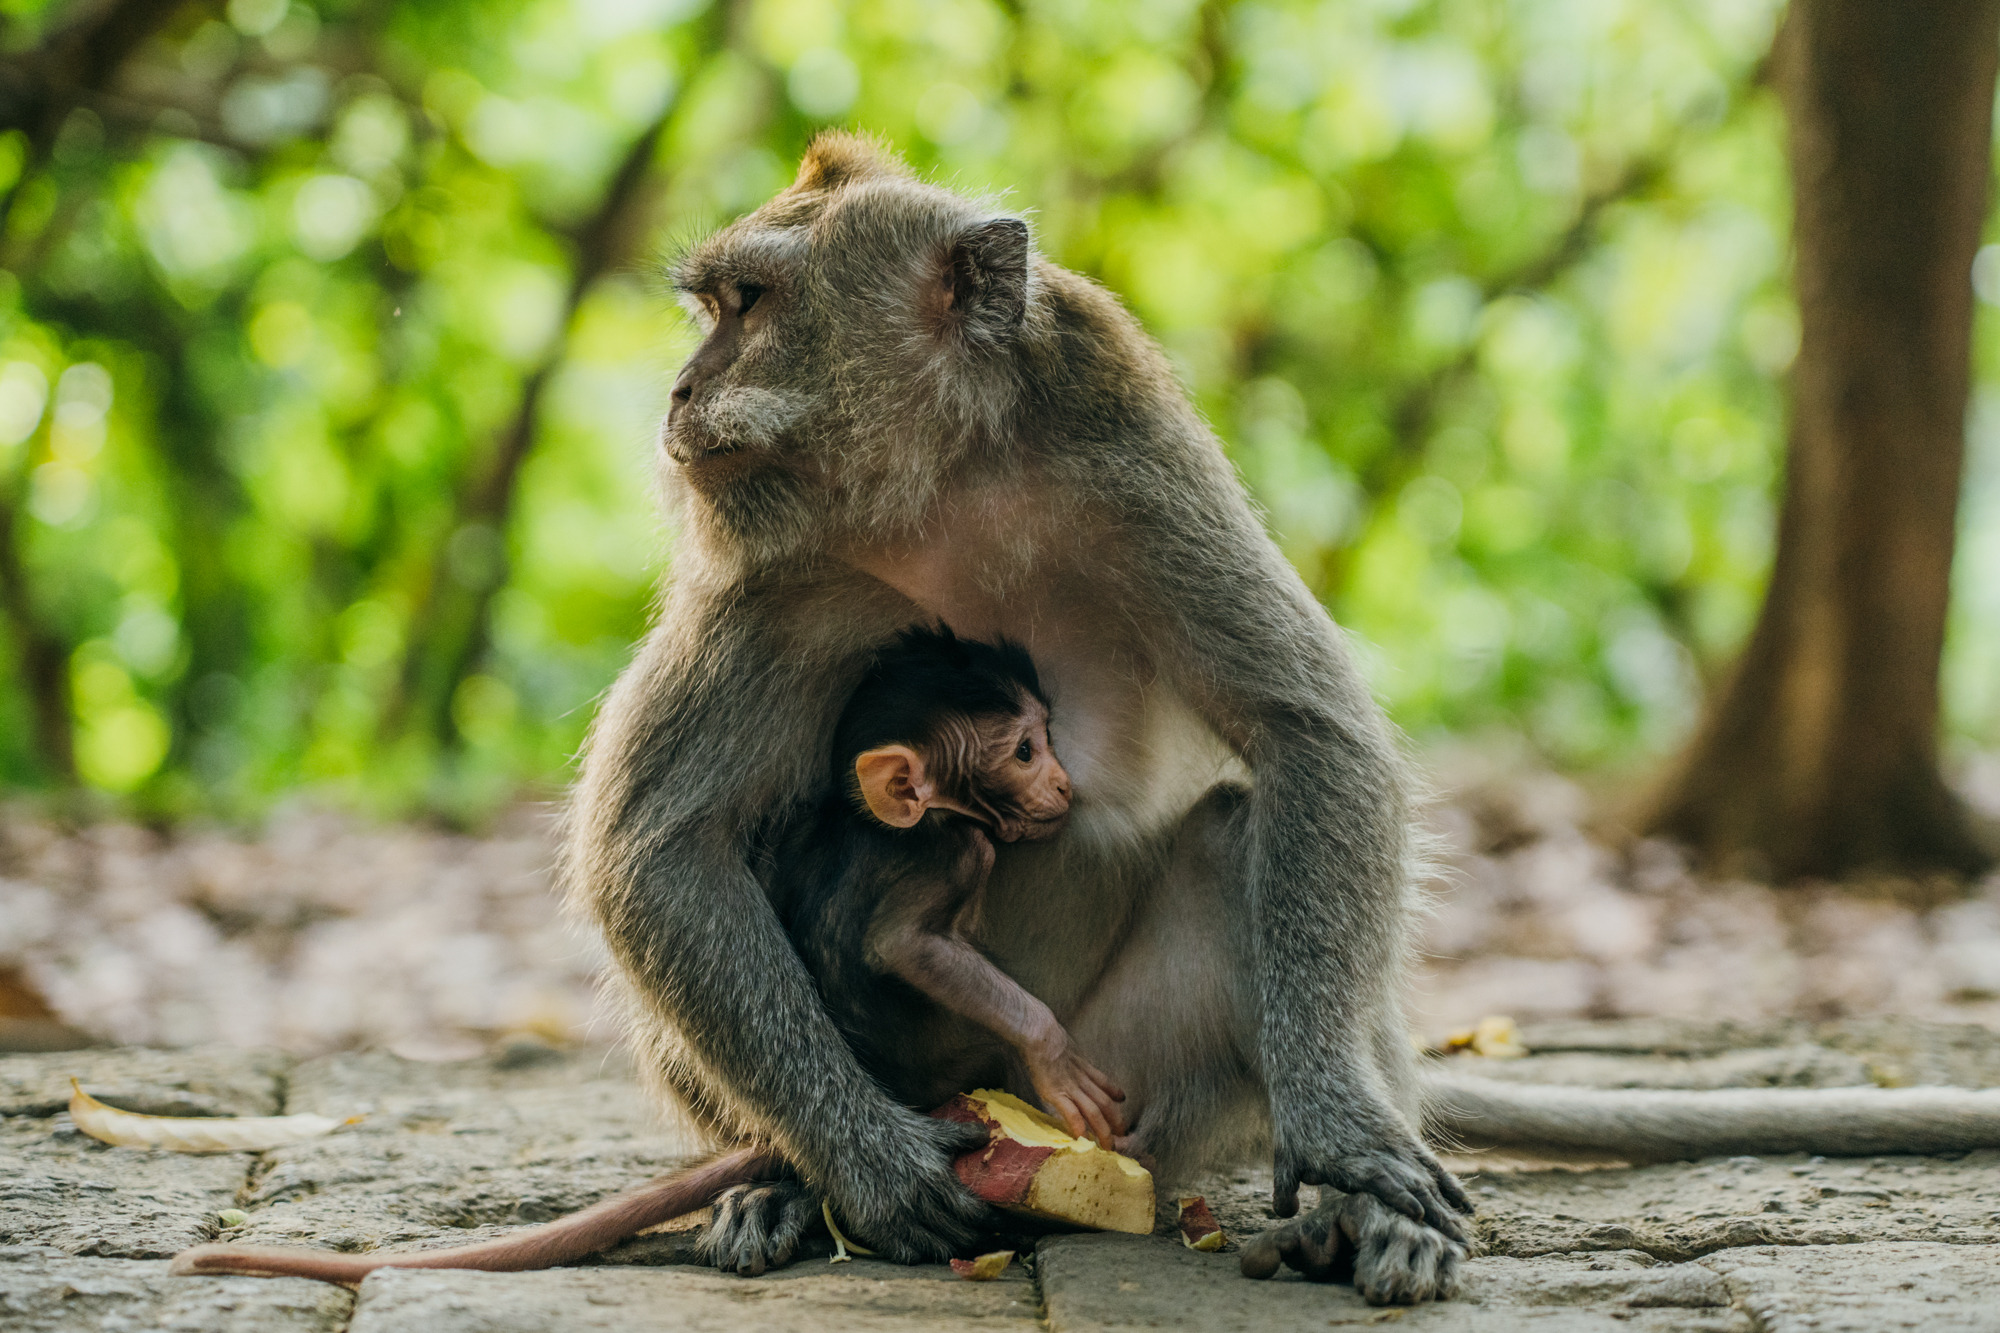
(901, 412)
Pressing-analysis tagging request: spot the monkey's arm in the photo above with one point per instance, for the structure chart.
(1326, 880)
(918, 934)
(714, 728)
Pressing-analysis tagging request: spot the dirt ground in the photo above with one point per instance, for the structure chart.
(329, 933)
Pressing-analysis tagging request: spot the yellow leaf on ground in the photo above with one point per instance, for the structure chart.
(176, 1133)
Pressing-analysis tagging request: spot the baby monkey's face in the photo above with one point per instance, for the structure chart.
(1026, 786)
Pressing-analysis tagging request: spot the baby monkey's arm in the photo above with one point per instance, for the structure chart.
(919, 934)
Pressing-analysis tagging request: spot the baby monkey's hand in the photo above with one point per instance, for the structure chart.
(1075, 1090)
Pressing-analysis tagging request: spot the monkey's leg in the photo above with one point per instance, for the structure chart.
(1176, 1017)
(660, 850)
(758, 1226)
(1324, 844)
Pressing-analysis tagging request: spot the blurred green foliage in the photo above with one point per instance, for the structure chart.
(331, 347)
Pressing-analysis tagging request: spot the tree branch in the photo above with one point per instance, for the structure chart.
(453, 619)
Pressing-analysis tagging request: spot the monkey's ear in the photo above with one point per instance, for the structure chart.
(893, 784)
(989, 278)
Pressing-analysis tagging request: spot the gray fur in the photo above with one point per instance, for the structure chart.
(1225, 926)
(1672, 1126)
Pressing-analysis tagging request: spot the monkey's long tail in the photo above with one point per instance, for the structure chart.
(544, 1246)
(1652, 1125)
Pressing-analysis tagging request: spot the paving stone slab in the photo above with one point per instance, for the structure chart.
(1903, 1053)
(1800, 1065)
(855, 1297)
(1682, 1211)
(43, 1290)
(1865, 1288)
(1096, 1284)
(1662, 1036)
(203, 1080)
(62, 1188)
(455, 1153)
(1897, 1052)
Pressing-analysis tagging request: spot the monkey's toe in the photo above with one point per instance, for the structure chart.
(1314, 1246)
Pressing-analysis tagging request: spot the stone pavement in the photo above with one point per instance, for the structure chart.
(456, 1152)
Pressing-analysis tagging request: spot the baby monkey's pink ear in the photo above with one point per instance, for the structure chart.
(893, 784)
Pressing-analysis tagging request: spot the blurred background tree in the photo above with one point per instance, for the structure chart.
(1819, 757)
(330, 346)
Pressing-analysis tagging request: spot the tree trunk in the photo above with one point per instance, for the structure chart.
(1820, 756)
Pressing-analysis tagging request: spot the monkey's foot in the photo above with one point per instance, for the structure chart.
(1357, 1238)
(758, 1226)
(1408, 1178)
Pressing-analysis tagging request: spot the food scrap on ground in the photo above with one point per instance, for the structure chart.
(985, 1268)
(1198, 1227)
(1494, 1037)
(249, 1133)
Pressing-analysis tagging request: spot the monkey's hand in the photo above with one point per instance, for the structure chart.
(1074, 1090)
(897, 1194)
(1401, 1172)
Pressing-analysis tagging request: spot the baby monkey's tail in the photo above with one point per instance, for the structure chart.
(558, 1242)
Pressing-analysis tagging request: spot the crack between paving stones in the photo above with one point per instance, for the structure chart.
(1032, 1261)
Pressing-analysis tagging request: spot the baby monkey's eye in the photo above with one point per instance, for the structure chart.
(1025, 750)
(747, 294)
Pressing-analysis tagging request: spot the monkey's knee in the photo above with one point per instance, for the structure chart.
(758, 1226)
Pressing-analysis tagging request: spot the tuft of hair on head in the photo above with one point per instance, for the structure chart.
(838, 157)
(926, 680)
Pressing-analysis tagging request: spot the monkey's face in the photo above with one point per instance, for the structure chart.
(732, 401)
(857, 334)
(1026, 786)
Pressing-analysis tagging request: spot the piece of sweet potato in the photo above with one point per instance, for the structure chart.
(1031, 1166)
(1198, 1227)
(985, 1268)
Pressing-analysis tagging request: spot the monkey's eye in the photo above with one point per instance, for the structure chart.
(1025, 750)
(748, 294)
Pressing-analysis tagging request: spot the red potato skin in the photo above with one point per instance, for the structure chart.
(1002, 1171)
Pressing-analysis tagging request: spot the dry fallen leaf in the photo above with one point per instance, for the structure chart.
(985, 1268)
(242, 1133)
(841, 1244)
(1496, 1038)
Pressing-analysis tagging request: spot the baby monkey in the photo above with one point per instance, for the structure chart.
(943, 749)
